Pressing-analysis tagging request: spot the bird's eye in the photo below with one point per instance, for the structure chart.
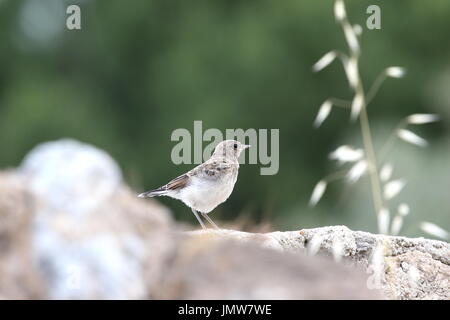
(235, 146)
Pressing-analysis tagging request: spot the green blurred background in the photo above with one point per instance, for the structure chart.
(140, 69)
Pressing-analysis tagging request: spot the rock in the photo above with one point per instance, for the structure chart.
(264, 240)
(19, 275)
(423, 276)
(403, 268)
(58, 172)
(416, 275)
(91, 237)
(208, 268)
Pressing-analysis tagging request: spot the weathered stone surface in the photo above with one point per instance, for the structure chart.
(116, 251)
(403, 268)
(416, 275)
(208, 268)
(263, 239)
(58, 172)
(90, 236)
(19, 275)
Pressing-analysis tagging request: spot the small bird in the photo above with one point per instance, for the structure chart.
(207, 185)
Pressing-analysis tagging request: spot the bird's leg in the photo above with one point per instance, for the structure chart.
(198, 218)
(209, 220)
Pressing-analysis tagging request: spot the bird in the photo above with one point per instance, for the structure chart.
(209, 184)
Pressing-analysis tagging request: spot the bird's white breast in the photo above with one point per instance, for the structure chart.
(204, 195)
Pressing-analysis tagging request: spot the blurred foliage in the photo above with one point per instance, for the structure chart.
(138, 70)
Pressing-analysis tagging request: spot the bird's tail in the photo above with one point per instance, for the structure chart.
(153, 193)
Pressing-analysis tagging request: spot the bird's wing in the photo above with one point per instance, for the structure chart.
(177, 183)
(211, 169)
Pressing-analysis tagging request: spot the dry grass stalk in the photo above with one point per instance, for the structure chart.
(368, 159)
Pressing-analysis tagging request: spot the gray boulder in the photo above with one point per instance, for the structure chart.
(90, 236)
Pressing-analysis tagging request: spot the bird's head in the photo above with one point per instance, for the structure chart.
(230, 148)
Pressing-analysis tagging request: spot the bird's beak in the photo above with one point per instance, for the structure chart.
(246, 146)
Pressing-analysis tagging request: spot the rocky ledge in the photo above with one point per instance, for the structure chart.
(399, 267)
